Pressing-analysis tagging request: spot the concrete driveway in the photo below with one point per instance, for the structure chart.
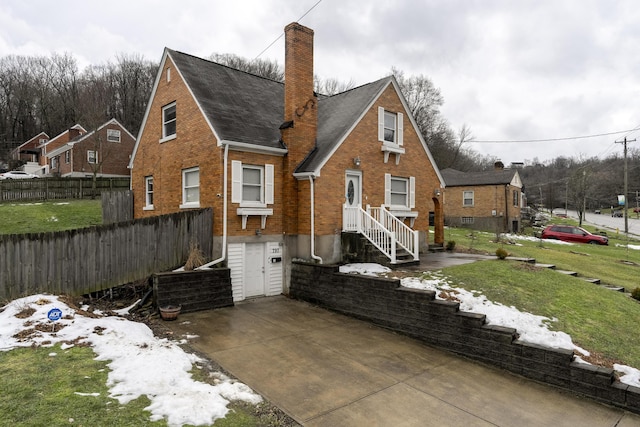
(326, 369)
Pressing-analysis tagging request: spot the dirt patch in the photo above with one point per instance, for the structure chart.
(25, 313)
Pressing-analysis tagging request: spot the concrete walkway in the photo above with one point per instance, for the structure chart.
(325, 369)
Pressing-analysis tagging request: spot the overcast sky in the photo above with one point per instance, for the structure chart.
(509, 70)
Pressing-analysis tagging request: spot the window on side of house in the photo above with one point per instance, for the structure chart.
(390, 127)
(169, 121)
(113, 135)
(252, 185)
(190, 188)
(54, 163)
(92, 157)
(67, 156)
(148, 191)
(399, 192)
(467, 198)
(516, 198)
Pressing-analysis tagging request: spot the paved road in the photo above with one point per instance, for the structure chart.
(612, 224)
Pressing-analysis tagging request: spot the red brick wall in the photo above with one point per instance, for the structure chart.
(487, 198)
(113, 157)
(363, 142)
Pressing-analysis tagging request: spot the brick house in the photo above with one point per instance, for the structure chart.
(287, 172)
(30, 150)
(489, 200)
(106, 151)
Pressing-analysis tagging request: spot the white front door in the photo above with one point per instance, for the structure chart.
(353, 189)
(254, 269)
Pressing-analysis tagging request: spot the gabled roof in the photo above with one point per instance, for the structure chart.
(337, 115)
(456, 178)
(241, 107)
(76, 126)
(84, 136)
(34, 139)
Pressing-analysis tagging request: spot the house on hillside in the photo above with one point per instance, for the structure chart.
(30, 151)
(288, 173)
(105, 151)
(488, 200)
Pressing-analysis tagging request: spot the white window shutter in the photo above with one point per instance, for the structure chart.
(387, 189)
(268, 184)
(236, 181)
(380, 124)
(400, 129)
(412, 192)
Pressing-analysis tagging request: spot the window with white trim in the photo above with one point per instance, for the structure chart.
(399, 192)
(390, 127)
(467, 198)
(67, 156)
(190, 188)
(148, 192)
(252, 185)
(466, 220)
(113, 135)
(516, 198)
(92, 157)
(169, 121)
(54, 163)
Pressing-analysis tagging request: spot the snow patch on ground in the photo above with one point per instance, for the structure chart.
(139, 363)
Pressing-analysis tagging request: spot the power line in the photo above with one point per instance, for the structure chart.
(554, 139)
(282, 34)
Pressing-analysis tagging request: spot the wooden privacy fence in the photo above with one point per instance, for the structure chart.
(58, 188)
(95, 258)
(117, 206)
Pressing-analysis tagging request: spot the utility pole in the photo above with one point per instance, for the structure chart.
(626, 219)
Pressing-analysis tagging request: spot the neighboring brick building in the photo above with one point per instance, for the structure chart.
(30, 151)
(489, 200)
(285, 170)
(105, 151)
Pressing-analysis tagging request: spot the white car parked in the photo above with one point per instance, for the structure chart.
(18, 175)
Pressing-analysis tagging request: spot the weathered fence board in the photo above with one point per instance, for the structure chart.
(95, 258)
(58, 188)
(117, 206)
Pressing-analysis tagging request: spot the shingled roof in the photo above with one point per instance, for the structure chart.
(456, 178)
(243, 107)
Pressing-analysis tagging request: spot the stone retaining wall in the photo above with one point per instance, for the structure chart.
(193, 290)
(440, 323)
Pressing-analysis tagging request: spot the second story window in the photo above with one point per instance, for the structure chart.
(390, 127)
(113, 135)
(516, 198)
(169, 121)
(252, 184)
(67, 156)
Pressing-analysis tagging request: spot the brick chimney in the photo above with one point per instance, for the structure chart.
(300, 101)
(300, 126)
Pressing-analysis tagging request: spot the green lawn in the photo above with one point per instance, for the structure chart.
(39, 217)
(598, 319)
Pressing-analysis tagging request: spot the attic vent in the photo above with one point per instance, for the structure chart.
(168, 74)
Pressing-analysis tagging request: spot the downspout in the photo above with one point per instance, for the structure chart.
(224, 214)
(313, 236)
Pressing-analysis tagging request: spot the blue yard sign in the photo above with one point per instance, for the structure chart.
(54, 314)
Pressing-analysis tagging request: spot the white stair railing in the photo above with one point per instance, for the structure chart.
(354, 218)
(382, 229)
(407, 237)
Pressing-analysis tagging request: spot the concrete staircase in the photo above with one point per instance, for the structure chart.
(592, 280)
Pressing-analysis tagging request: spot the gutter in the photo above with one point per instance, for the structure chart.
(224, 215)
(313, 235)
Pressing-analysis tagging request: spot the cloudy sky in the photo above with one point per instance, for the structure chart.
(510, 70)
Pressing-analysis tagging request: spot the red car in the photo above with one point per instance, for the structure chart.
(570, 233)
